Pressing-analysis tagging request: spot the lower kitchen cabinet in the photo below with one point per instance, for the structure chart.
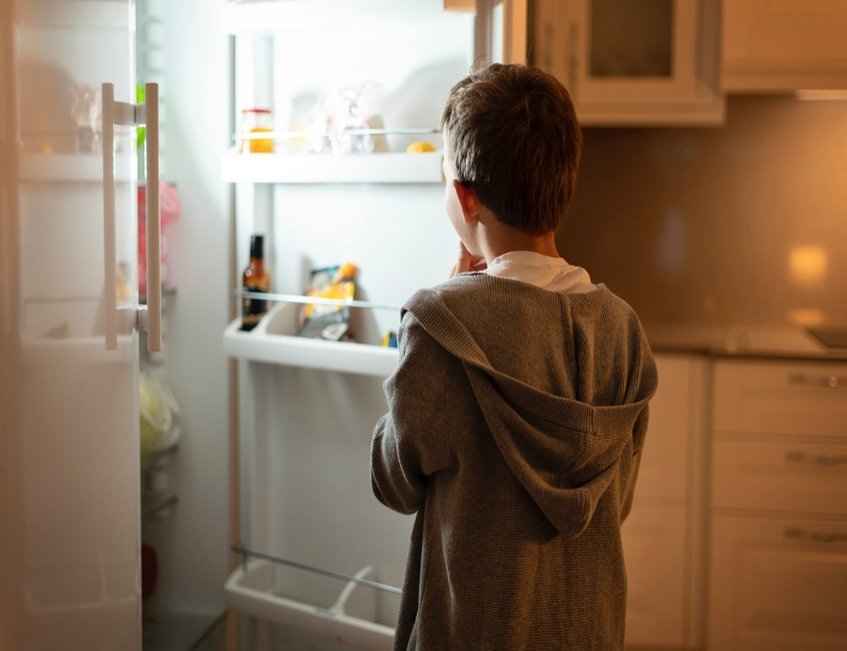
(655, 549)
(778, 507)
(778, 584)
(664, 534)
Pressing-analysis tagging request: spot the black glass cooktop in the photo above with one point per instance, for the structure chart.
(830, 336)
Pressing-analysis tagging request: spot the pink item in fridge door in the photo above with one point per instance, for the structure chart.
(170, 209)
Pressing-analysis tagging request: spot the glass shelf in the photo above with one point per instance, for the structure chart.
(154, 503)
(425, 167)
(149, 463)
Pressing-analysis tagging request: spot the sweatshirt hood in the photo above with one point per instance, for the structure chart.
(564, 451)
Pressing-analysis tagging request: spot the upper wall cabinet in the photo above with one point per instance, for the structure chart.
(776, 45)
(632, 62)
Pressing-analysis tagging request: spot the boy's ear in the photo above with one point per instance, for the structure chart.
(468, 200)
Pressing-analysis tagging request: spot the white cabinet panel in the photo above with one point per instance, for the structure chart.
(771, 45)
(635, 62)
(778, 585)
(665, 457)
(780, 398)
(664, 533)
(654, 551)
(780, 476)
(778, 548)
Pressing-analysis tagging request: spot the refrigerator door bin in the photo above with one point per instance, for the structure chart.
(275, 341)
(308, 602)
(394, 167)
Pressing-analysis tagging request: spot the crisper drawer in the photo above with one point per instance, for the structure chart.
(806, 399)
(757, 474)
(778, 585)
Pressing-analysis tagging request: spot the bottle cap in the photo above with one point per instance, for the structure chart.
(257, 246)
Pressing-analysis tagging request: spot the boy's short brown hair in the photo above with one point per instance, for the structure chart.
(512, 135)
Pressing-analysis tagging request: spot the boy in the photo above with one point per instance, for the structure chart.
(519, 406)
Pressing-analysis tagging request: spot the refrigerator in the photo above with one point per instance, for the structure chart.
(71, 316)
(275, 519)
(352, 89)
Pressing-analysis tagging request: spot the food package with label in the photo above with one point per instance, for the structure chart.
(330, 321)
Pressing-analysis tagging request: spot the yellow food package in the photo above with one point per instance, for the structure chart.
(329, 320)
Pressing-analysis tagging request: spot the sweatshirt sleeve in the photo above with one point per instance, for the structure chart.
(639, 432)
(411, 441)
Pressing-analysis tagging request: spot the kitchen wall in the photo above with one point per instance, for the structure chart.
(745, 223)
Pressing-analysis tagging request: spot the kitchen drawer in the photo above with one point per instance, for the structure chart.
(805, 399)
(778, 585)
(654, 552)
(757, 474)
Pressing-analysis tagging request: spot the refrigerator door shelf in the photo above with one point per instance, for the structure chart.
(70, 167)
(274, 341)
(88, 14)
(327, 168)
(255, 588)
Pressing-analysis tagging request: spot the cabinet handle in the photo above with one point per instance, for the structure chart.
(798, 533)
(798, 456)
(831, 381)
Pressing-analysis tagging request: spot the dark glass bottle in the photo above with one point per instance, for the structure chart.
(254, 279)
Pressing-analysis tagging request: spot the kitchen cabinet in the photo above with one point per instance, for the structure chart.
(632, 63)
(663, 536)
(780, 45)
(778, 506)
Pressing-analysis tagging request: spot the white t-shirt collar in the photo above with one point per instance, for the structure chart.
(551, 273)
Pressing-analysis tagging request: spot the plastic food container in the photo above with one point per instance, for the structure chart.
(256, 121)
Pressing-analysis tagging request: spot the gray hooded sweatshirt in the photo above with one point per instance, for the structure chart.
(515, 420)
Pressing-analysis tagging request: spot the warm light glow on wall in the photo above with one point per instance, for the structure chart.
(805, 317)
(807, 266)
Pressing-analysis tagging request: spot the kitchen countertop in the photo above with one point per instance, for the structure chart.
(760, 341)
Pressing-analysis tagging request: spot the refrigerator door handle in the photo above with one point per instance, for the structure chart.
(153, 217)
(110, 288)
(149, 317)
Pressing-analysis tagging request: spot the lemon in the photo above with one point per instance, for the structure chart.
(420, 147)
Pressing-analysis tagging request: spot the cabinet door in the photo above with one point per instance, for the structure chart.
(771, 45)
(806, 400)
(663, 534)
(633, 61)
(665, 460)
(773, 475)
(654, 550)
(777, 585)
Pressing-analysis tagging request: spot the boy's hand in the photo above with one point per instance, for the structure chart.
(467, 262)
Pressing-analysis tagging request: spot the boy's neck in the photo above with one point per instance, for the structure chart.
(499, 239)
